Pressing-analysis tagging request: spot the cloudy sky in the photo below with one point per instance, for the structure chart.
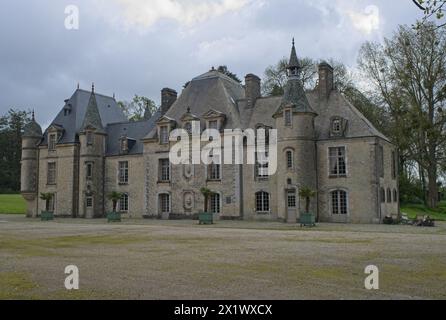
(140, 46)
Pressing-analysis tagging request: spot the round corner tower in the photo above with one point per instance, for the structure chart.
(30, 165)
(295, 122)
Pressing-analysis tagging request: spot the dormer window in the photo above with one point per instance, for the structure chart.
(52, 142)
(288, 118)
(338, 126)
(164, 135)
(213, 124)
(124, 145)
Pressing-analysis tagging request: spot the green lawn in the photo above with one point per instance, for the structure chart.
(12, 204)
(418, 209)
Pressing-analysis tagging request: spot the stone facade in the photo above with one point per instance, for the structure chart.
(323, 143)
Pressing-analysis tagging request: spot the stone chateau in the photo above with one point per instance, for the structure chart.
(324, 143)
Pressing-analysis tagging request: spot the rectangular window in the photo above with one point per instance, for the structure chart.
(289, 159)
(339, 202)
(338, 167)
(165, 203)
(124, 203)
(213, 124)
(262, 202)
(51, 204)
(336, 126)
(291, 199)
(52, 142)
(124, 172)
(164, 135)
(215, 203)
(51, 175)
(89, 138)
(89, 170)
(381, 161)
(394, 165)
(214, 171)
(164, 171)
(288, 118)
(89, 202)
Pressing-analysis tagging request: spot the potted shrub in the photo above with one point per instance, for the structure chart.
(47, 215)
(114, 216)
(307, 218)
(206, 217)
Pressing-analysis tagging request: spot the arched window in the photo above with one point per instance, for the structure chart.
(395, 195)
(389, 195)
(262, 201)
(289, 159)
(383, 195)
(339, 202)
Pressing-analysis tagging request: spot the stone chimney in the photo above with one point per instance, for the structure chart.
(252, 89)
(326, 80)
(168, 98)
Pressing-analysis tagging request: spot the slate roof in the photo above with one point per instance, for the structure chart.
(133, 130)
(212, 90)
(32, 129)
(92, 116)
(107, 107)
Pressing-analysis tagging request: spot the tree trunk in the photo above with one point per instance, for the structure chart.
(206, 204)
(423, 183)
(115, 204)
(433, 187)
(307, 205)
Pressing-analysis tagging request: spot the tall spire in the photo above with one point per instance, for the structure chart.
(293, 65)
(92, 116)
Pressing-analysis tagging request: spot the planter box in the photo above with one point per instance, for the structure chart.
(206, 218)
(113, 217)
(307, 220)
(47, 216)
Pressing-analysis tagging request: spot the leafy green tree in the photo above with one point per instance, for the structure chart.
(11, 130)
(225, 70)
(306, 194)
(140, 108)
(408, 77)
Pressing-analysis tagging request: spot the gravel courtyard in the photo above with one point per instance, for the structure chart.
(230, 260)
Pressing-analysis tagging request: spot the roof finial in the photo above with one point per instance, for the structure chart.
(34, 116)
(78, 85)
(92, 87)
(114, 96)
(293, 41)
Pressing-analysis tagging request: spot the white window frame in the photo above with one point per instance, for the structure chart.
(123, 172)
(164, 136)
(212, 203)
(161, 170)
(288, 120)
(338, 175)
(160, 203)
(263, 199)
(347, 204)
(52, 181)
(287, 153)
(52, 141)
(124, 203)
